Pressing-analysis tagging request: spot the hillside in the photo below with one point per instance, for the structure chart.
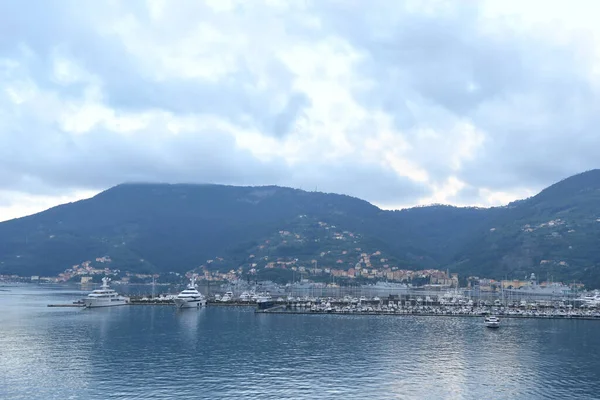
(162, 227)
(555, 234)
(155, 227)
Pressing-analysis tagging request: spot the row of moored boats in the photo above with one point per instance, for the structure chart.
(190, 297)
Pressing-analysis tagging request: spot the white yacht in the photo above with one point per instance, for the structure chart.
(227, 297)
(386, 288)
(552, 289)
(245, 296)
(591, 299)
(104, 297)
(264, 301)
(492, 322)
(190, 297)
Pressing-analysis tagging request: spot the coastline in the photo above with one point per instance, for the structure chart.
(371, 313)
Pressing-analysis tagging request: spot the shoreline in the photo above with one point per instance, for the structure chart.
(279, 311)
(371, 313)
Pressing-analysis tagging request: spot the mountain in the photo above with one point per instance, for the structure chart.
(160, 227)
(178, 227)
(555, 234)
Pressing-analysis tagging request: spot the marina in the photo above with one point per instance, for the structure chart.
(394, 305)
(65, 305)
(190, 297)
(551, 302)
(393, 309)
(359, 352)
(104, 297)
(479, 313)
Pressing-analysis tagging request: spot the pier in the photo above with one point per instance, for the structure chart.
(442, 312)
(65, 305)
(434, 306)
(136, 301)
(408, 304)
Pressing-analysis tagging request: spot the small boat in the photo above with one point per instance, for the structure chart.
(190, 297)
(227, 297)
(104, 297)
(264, 301)
(245, 296)
(492, 322)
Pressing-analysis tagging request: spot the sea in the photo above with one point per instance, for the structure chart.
(158, 352)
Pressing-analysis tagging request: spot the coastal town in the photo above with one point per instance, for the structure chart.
(89, 272)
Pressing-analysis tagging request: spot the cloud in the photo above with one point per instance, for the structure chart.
(399, 103)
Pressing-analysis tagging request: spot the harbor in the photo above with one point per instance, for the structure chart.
(380, 300)
(393, 305)
(232, 335)
(449, 304)
(533, 311)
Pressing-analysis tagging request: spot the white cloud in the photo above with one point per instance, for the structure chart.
(14, 204)
(400, 103)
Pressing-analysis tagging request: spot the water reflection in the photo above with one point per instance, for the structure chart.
(101, 319)
(34, 340)
(220, 352)
(189, 320)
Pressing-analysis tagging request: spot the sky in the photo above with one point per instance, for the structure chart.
(400, 103)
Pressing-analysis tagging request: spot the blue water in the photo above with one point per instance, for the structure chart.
(157, 352)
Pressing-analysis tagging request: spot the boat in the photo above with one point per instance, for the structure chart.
(269, 286)
(552, 289)
(591, 299)
(104, 297)
(245, 296)
(264, 301)
(492, 322)
(227, 297)
(190, 297)
(384, 288)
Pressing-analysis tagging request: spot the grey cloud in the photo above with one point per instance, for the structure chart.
(366, 181)
(283, 121)
(532, 100)
(101, 159)
(56, 26)
(127, 88)
(228, 99)
(423, 59)
(433, 56)
(535, 142)
(467, 195)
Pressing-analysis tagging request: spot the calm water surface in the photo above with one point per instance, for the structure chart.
(157, 352)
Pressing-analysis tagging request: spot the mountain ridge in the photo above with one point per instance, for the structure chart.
(176, 227)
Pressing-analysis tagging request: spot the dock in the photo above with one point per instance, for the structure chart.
(65, 305)
(156, 302)
(407, 305)
(577, 316)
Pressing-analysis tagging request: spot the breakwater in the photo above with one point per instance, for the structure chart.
(169, 302)
(446, 312)
(417, 307)
(392, 307)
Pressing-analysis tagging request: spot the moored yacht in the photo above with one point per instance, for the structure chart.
(104, 297)
(264, 301)
(245, 296)
(591, 299)
(190, 297)
(492, 322)
(227, 297)
(552, 289)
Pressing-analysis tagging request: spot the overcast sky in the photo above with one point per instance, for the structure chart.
(396, 102)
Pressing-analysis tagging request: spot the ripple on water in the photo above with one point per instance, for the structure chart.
(220, 353)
